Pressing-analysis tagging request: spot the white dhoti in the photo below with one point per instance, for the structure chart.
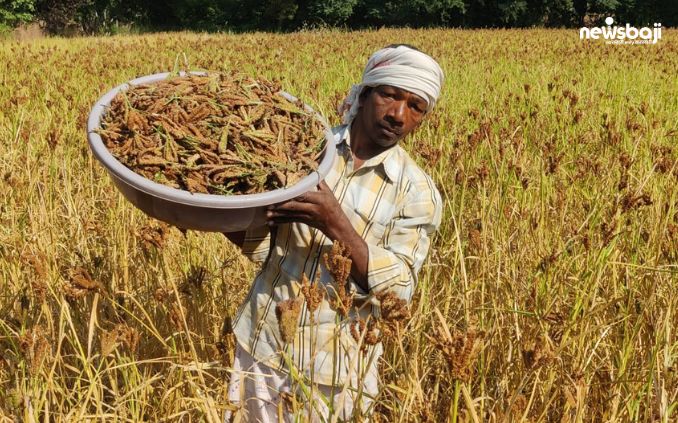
(259, 392)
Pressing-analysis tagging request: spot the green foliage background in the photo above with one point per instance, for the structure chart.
(105, 16)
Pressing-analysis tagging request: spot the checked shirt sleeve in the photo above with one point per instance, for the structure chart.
(395, 263)
(257, 243)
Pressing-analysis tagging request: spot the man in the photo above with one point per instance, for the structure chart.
(375, 201)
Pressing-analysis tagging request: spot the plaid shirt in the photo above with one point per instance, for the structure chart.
(395, 208)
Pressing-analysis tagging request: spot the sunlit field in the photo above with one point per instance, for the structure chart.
(550, 292)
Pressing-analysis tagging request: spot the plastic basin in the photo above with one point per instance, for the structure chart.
(203, 212)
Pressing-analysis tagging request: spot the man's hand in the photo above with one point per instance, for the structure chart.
(320, 209)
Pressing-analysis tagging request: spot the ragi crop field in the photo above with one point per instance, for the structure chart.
(550, 289)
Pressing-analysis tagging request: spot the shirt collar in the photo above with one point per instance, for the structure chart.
(386, 160)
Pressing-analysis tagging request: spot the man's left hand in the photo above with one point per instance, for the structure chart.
(319, 209)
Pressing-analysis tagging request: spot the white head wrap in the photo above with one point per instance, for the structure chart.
(401, 67)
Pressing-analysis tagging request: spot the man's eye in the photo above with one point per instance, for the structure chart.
(387, 94)
(418, 108)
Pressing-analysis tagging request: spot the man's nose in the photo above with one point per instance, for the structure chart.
(397, 112)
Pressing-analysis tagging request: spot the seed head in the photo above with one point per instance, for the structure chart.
(537, 353)
(459, 349)
(313, 294)
(34, 345)
(338, 263)
(393, 312)
(153, 235)
(371, 331)
(287, 313)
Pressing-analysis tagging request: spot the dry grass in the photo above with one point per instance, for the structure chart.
(550, 290)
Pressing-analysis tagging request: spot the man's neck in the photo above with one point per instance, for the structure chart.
(361, 146)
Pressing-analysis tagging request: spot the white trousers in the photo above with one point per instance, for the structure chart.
(259, 392)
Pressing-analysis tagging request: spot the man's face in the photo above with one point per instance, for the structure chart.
(390, 113)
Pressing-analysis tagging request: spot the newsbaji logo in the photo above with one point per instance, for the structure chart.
(622, 34)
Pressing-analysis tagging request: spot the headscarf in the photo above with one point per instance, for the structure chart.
(402, 67)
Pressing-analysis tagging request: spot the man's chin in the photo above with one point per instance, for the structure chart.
(384, 137)
(386, 142)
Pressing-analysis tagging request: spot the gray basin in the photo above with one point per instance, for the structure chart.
(203, 212)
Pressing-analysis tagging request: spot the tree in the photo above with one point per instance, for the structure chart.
(15, 12)
(580, 8)
(101, 16)
(59, 16)
(647, 13)
(329, 12)
(560, 13)
(432, 13)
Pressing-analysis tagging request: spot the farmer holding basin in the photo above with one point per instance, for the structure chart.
(340, 263)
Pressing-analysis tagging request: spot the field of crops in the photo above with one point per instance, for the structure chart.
(549, 293)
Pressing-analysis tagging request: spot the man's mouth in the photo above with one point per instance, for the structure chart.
(389, 132)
